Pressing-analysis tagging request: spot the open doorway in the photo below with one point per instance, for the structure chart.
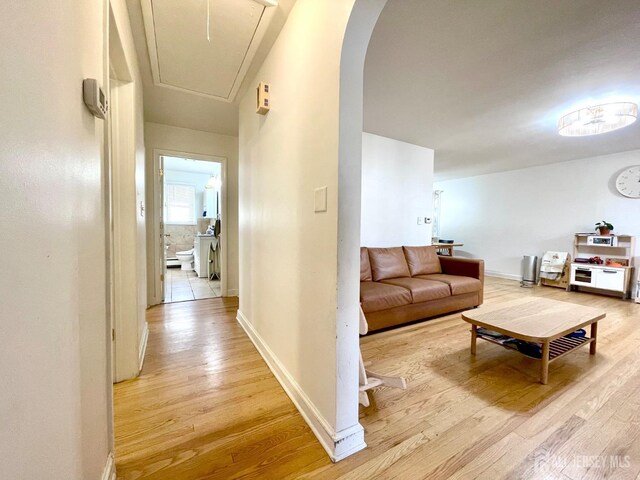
(191, 227)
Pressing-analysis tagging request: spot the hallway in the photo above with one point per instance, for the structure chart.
(206, 405)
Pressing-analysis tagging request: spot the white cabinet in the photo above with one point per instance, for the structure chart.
(596, 276)
(201, 254)
(611, 279)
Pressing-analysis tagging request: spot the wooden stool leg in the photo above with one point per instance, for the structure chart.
(474, 336)
(594, 335)
(544, 367)
(363, 398)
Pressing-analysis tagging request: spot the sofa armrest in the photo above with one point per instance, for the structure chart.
(466, 267)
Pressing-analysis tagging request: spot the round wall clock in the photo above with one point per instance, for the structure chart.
(628, 182)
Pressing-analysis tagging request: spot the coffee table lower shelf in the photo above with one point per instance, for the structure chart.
(557, 348)
(551, 350)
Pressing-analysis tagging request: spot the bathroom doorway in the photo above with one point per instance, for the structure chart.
(191, 221)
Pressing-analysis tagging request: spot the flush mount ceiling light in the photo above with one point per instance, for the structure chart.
(598, 119)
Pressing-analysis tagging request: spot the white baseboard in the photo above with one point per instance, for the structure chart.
(233, 292)
(338, 445)
(508, 276)
(109, 472)
(142, 348)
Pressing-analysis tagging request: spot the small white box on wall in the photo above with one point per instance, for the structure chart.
(320, 200)
(263, 99)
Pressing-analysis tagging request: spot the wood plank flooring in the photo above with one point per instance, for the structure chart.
(207, 407)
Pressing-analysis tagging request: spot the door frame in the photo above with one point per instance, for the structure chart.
(158, 254)
(129, 331)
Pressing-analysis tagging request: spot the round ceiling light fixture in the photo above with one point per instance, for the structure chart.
(598, 119)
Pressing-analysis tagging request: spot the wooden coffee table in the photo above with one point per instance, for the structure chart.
(538, 320)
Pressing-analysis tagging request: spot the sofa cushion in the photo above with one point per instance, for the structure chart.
(365, 266)
(421, 290)
(422, 260)
(379, 296)
(459, 284)
(388, 263)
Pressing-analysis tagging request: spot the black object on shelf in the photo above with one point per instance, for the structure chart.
(577, 334)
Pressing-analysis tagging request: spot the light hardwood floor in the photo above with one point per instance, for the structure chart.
(206, 405)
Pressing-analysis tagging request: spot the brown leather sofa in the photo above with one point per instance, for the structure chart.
(403, 284)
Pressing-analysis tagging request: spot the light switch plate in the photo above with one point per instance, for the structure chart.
(320, 199)
(420, 220)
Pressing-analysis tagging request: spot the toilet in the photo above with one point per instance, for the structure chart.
(185, 258)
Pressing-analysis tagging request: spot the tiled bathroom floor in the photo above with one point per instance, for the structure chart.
(181, 285)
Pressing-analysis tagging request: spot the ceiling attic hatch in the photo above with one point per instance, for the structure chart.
(204, 46)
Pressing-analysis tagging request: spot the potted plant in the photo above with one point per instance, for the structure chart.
(604, 227)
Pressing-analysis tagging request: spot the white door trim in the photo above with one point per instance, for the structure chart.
(125, 211)
(109, 471)
(158, 254)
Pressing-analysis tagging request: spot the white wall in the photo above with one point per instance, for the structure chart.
(53, 324)
(289, 268)
(397, 188)
(165, 137)
(502, 216)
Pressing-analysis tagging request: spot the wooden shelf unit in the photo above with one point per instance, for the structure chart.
(621, 280)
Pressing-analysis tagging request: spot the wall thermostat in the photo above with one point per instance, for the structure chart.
(263, 104)
(94, 98)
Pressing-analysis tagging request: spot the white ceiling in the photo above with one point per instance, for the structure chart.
(189, 81)
(180, 164)
(484, 82)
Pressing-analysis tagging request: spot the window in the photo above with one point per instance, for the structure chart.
(179, 204)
